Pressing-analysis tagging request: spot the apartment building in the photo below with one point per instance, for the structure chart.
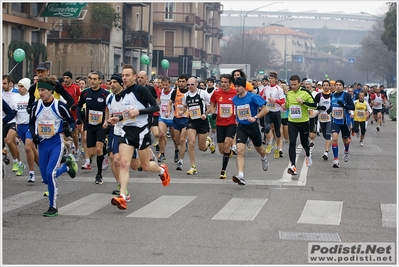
(186, 34)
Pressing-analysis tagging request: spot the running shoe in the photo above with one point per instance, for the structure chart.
(238, 180)
(280, 153)
(325, 155)
(276, 153)
(165, 177)
(212, 147)
(234, 149)
(223, 175)
(119, 201)
(77, 155)
(105, 163)
(378, 129)
(265, 164)
(309, 161)
(336, 163)
(357, 134)
(21, 169)
(99, 179)
(176, 159)
(161, 158)
(249, 144)
(51, 212)
(156, 143)
(179, 166)
(15, 167)
(231, 153)
(269, 148)
(86, 166)
(192, 170)
(128, 198)
(73, 166)
(32, 178)
(371, 121)
(361, 143)
(346, 156)
(46, 194)
(157, 148)
(292, 170)
(311, 144)
(117, 191)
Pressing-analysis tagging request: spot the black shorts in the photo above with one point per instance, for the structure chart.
(225, 131)
(7, 127)
(153, 121)
(200, 125)
(249, 131)
(139, 138)
(284, 121)
(94, 135)
(375, 111)
(313, 124)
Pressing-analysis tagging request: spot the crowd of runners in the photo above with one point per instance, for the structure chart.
(119, 122)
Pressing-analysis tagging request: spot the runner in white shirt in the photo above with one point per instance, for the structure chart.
(274, 96)
(19, 103)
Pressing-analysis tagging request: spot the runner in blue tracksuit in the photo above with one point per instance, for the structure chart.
(46, 126)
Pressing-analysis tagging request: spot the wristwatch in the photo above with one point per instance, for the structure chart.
(256, 117)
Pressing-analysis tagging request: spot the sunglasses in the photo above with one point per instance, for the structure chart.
(190, 84)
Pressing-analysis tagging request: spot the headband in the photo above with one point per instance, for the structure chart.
(45, 86)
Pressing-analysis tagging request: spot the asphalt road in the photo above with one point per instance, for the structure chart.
(201, 219)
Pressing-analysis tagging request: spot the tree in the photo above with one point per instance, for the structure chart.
(375, 57)
(259, 51)
(103, 14)
(389, 34)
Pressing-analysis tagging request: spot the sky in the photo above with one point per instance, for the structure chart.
(348, 7)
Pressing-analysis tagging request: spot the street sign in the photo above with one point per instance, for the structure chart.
(299, 59)
(196, 64)
(351, 60)
(261, 72)
(63, 10)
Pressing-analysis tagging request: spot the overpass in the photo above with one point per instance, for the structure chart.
(342, 28)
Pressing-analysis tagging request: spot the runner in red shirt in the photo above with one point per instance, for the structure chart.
(74, 90)
(222, 108)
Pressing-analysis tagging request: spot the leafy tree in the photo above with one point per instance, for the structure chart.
(103, 14)
(389, 34)
(259, 51)
(375, 57)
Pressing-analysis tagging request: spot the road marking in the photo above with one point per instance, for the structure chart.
(241, 209)
(321, 212)
(20, 200)
(86, 205)
(286, 179)
(388, 214)
(163, 207)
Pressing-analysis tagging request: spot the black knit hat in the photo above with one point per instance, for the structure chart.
(240, 81)
(68, 74)
(117, 78)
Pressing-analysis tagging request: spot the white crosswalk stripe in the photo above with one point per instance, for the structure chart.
(241, 209)
(388, 214)
(86, 206)
(321, 212)
(20, 200)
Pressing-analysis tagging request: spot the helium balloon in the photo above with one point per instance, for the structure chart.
(326, 76)
(145, 59)
(165, 64)
(19, 55)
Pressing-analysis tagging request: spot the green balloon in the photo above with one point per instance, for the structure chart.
(19, 55)
(326, 76)
(165, 64)
(145, 59)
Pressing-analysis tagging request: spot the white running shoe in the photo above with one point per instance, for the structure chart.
(346, 156)
(265, 164)
(325, 155)
(336, 163)
(105, 163)
(309, 161)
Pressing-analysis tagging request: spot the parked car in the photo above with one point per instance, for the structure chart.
(392, 104)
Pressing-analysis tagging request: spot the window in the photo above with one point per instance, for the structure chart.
(169, 43)
(169, 9)
(20, 7)
(35, 9)
(36, 37)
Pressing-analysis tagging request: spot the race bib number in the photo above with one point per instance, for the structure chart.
(338, 113)
(95, 117)
(295, 112)
(195, 112)
(324, 117)
(271, 105)
(45, 128)
(243, 112)
(126, 115)
(360, 114)
(164, 109)
(225, 110)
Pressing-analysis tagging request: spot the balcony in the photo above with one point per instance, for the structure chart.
(82, 32)
(137, 39)
(186, 19)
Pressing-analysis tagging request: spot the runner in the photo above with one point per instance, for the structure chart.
(246, 109)
(361, 115)
(323, 101)
(138, 103)
(226, 126)
(341, 104)
(46, 123)
(298, 101)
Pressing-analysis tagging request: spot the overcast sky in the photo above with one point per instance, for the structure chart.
(348, 7)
